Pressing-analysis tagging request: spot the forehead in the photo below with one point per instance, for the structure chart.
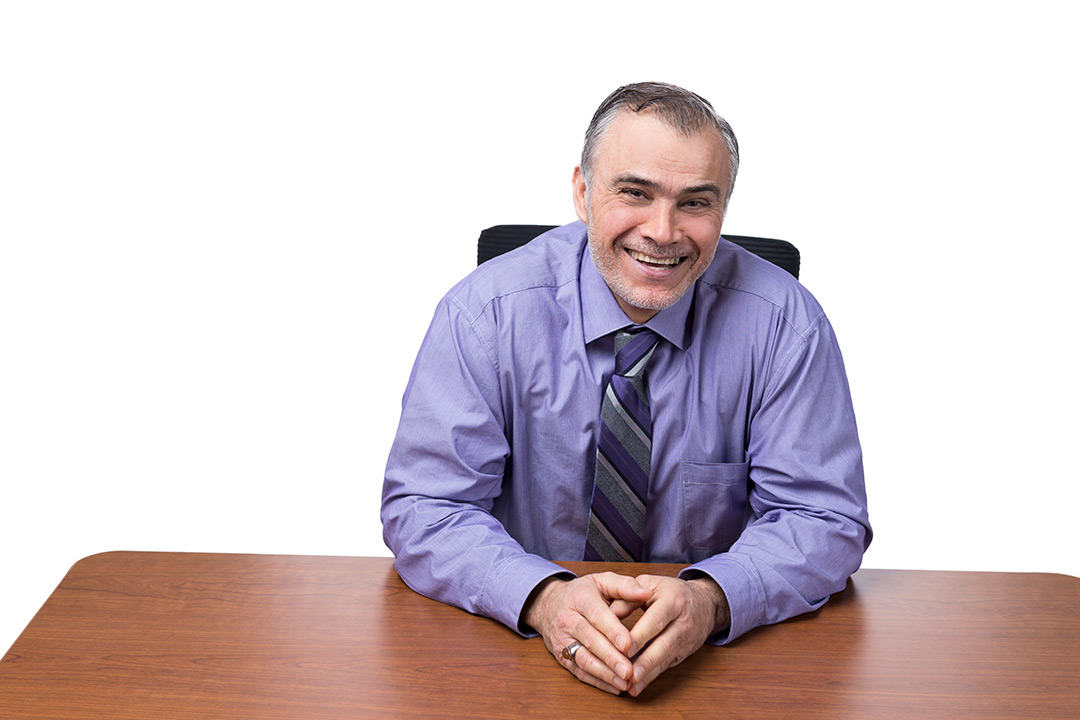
(644, 145)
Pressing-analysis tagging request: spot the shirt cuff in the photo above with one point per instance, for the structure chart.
(743, 589)
(510, 585)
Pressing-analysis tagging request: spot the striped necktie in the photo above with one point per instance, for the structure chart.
(623, 452)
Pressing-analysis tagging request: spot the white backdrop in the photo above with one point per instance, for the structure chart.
(224, 227)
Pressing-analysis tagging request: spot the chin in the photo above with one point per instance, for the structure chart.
(651, 301)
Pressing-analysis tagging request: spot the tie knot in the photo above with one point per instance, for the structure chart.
(633, 348)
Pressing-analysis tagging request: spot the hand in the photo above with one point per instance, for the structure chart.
(590, 610)
(679, 617)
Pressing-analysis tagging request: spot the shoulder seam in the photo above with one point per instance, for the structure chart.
(783, 315)
(813, 328)
(492, 356)
(473, 320)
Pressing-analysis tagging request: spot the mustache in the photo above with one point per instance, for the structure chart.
(632, 241)
(648, 247)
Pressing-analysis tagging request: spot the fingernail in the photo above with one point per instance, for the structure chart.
(620, 670)
(639, 672)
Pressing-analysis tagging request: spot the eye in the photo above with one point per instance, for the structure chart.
(633, 193)
(696, 204)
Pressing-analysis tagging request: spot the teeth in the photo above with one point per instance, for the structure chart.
(652, 260)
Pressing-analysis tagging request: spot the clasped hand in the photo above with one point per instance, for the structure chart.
(679, 616)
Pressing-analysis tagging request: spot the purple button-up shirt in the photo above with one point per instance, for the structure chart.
(756, 467)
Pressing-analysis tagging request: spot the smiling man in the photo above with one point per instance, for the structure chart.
(654, 201)
(630, 387)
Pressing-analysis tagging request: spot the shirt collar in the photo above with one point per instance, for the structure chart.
(602, 315)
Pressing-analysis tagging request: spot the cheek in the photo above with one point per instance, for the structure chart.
(706, 236)
(617, 220)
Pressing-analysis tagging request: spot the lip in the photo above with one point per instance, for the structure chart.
(653, 260)
(663, 269)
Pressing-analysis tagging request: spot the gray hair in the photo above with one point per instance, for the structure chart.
(687, 112)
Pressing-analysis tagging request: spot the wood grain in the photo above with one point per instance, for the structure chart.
(176, 635)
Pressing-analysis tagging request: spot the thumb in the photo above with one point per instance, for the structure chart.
(621, 587)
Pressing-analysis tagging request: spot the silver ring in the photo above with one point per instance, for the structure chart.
(570, 651)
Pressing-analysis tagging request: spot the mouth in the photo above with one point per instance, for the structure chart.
(654, 262)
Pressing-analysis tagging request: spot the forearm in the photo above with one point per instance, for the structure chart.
(462, 556)
(766, 577)
(806, 492)
(445, 469)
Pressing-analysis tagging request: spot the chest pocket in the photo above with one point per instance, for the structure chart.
(714, 503)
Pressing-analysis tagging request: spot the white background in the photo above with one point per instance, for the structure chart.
(224, 227)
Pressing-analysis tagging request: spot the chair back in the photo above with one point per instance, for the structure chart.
(499, 239)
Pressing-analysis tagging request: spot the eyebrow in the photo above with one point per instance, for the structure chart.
(630, 179)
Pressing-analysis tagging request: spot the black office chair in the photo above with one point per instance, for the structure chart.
(503, 238)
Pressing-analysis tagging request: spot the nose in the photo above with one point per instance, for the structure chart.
(659, 225)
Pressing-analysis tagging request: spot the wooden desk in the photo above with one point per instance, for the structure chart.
(175, 635)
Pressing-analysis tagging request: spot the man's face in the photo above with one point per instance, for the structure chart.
(654, 209)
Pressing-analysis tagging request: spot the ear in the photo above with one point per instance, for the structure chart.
(581, 204)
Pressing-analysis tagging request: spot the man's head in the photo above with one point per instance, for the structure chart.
(656, 173)
(683, 110)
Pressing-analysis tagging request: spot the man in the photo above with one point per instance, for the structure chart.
(730, 444)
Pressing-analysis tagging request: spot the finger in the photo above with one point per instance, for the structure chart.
(623, 608)
(594, 681)
(586, 617)
(654, 621)
(591, 669)
(615, 586)
(601, 652)
(604, 617)
(675, 625)
(587, 668)
(661, 654)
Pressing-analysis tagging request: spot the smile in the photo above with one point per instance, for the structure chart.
(650, 260)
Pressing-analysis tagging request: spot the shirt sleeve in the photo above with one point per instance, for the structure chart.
(444, 472)
(807, 493)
